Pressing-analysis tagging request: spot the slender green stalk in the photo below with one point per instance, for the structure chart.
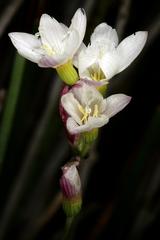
(10, 105)
(69, 221)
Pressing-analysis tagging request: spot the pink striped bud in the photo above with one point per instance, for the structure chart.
(71, 189)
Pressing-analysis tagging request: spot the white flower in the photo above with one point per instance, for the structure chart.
(55, 44)
(87, 109)
(103, 57)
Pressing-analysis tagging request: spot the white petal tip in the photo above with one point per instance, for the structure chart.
(116, 103)
(45, 15)
(128, 99)
(81, 10)
(44, 20)
(130, 48)
(15, 37)
(124, 99)
(142, 35)
(12, 35)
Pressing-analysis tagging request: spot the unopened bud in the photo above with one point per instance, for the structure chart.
(71, 189)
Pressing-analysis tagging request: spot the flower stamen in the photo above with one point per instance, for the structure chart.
(96, 74)
(86, 112)
(96, 111)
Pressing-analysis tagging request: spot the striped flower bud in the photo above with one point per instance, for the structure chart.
(71, 189)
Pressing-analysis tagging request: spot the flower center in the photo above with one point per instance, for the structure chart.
(96, 73)
(87, 112)
(45, 46)
(48, 49)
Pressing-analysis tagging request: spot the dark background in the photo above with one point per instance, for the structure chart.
(121, 177)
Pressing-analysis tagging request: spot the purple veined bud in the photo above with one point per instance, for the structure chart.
(70, 184)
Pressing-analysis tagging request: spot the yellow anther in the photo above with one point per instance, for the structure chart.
(95, 112)
(85, 118)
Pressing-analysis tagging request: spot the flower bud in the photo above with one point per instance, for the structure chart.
(71, 189)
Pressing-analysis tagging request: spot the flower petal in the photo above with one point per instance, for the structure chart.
(86, 58)
(105, 36)
(109, 64)
(27, 45)
(130, 48)
(47, 62)
(97, 122)
(72, 175)
(71, 44)
(115, 103)
(92, 123)
(76, 56)
(86, 95)
(70, 181)
(70, 104)
(103, 40)
(79, 23)
(65, 28)
(51, 33)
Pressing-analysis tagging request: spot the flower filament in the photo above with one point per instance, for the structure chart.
(87, 112)
(96, 73)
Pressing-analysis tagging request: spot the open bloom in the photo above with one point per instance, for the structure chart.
(54, 44)
(103, 57)
(88, 110)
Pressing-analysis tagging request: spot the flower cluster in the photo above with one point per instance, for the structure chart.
(86, 70)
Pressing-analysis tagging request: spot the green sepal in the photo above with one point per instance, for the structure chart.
(72, 207)
(85, 141)
(90, 137)
(103, 89)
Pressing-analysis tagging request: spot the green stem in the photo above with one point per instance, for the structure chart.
(10, 105)
(68, 225)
